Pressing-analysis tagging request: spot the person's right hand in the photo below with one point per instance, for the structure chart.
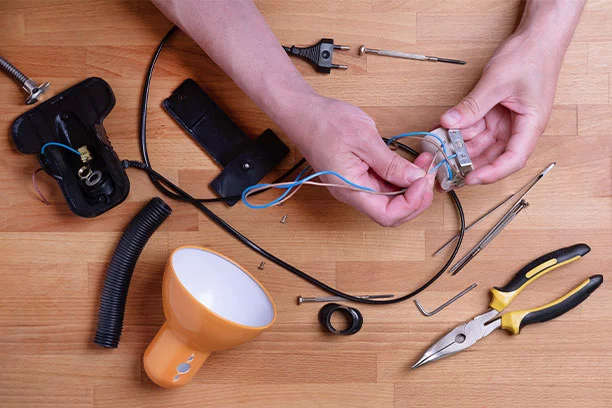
(335, 135)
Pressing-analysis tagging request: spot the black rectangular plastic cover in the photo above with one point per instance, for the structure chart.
(245, 161)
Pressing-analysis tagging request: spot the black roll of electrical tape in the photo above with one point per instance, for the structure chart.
(354, 316)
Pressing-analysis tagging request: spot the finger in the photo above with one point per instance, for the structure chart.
(390, 166)
(423, 160)
(388, 211)
(425, 203)
(520, 146)
(410, 204)
(479, 144)
(471, 131)
(475, 105)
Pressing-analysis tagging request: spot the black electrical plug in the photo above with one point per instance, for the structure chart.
(319, 55)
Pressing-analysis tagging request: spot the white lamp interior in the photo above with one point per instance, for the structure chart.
(223, 287)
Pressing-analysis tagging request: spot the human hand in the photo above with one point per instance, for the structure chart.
(508, 109)
(334, 135)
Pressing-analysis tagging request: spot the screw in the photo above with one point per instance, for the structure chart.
(284, 219)
(261, 265)
(34, 90)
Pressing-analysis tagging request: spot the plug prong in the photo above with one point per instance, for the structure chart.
(342, 47)
(339, 66)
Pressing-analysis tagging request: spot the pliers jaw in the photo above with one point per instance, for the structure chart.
(461, 337)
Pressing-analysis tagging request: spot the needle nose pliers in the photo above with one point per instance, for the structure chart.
(467, 334)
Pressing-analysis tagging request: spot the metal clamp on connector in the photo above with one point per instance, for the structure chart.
(450, 141)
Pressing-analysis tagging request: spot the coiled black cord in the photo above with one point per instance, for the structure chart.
(172, 190)
(119, 272)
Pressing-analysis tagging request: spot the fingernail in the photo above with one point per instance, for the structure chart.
(451, 116)
(415, 174)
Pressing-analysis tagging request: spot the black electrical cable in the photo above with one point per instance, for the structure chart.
(121, 268)
(176, 192)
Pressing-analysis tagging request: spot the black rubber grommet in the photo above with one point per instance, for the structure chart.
(353, 314)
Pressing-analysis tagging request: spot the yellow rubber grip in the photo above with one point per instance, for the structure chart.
(514, 321)
(501, 297)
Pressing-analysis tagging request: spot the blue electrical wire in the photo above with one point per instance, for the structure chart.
(295, 183)
(299, 176)
(411, 134)
(42, 150)
(435, 168)
(299, 181)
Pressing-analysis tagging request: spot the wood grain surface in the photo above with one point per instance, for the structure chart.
(52, 263)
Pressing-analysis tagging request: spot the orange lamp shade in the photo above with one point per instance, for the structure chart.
(210, 303)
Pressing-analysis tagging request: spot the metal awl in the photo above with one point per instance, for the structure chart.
(406, 55)
(530, 184)
(503, 223)
(302, 299)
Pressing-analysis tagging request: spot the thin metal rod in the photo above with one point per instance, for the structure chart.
(494, 232)
(398, 54)
(445, 304)
(482, 217)
(302, 299)
(529, 185)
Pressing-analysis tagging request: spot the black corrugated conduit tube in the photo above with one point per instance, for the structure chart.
(121, 268)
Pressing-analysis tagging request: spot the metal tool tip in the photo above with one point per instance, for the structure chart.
(417, 364)
(549, 168)
(300, 300)
(362, 50)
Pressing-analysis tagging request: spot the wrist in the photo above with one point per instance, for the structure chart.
(550, 24)
(289, 102)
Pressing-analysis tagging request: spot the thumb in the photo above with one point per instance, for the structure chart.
(473, 107)
(392, 167)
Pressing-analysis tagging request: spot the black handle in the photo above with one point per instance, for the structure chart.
(515, 321)
(502, 296)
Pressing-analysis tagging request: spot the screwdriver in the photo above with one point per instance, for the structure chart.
(302, 299)
(398, 54)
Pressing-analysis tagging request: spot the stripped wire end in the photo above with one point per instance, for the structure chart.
(41, 196)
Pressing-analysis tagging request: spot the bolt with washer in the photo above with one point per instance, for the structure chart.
(34, 90)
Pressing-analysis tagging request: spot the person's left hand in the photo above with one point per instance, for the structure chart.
(506, 112)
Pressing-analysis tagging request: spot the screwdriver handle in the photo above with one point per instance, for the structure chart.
(515, 321)
(502, 297)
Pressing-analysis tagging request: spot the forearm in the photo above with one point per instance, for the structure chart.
(235, 35)
(551, 22)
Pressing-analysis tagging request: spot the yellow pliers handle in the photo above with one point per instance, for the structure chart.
(501, 297)
(515, 321)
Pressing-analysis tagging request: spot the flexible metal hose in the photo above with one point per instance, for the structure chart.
(11, 70)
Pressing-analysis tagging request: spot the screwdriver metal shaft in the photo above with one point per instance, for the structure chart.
(406, 55)
(503, 223)
(527, 187)
(302, 299)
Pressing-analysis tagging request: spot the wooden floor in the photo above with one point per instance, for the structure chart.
(52, 263)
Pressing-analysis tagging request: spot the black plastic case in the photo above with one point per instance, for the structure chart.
(74, 117)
